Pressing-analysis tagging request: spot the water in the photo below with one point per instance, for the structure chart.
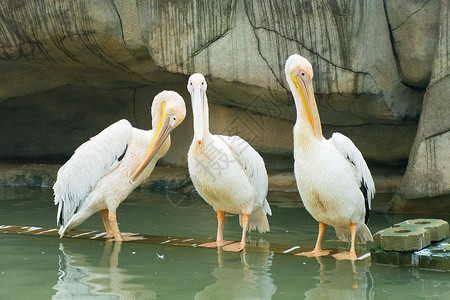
(33, 267)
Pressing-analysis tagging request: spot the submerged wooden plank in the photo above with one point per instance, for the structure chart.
(157, 240)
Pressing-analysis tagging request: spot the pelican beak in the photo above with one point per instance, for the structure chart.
(161, 134)
(309, 102)
(197, 99)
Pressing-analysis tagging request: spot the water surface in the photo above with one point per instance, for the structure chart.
(33, 267)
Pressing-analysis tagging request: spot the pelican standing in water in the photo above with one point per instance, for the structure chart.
(106, 169)
(332, 177)
(227, 172)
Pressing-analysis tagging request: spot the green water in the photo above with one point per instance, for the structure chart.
(33, 267)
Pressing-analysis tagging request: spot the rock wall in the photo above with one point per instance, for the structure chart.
(428, 172)
(70, 68)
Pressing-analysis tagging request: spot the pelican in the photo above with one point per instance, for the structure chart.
(227, 172)
(332, 177)
(106, 169)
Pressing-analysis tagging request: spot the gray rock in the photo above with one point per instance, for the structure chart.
(415, 33)
(427, 174)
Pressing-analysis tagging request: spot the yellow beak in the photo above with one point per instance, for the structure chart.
(309, 102)
(161, 134)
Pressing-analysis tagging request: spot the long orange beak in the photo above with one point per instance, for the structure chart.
(309, 102)
(161, 134)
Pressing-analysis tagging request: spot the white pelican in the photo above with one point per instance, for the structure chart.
(332, 177)
(106, 169)
(226, 171)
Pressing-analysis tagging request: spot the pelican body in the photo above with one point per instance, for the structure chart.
(332, 177)
(106, 169)
(226, 171)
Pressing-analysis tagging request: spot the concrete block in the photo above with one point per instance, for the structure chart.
(439, 229)
(435, 257)
(395, 258)
(412, 235)
(405, 238)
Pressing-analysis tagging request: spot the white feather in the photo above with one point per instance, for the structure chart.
(354, 156)
(89, 163)
(254, 167)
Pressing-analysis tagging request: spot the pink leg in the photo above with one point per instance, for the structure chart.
(352, 254)
(105, 220)
(219, 240)
(118, 237)
(236, 247)
(318, 248)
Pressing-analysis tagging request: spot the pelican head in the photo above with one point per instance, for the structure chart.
(299, 75)
(197, 88)
(168, 111)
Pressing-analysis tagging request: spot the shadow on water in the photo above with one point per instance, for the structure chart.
(33, 267)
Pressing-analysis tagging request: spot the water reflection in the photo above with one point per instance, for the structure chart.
(392, 282)
(250, 279)
(342, 280)
(88, 269)
(79, 279)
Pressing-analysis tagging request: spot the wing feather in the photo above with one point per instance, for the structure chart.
(362, 172)
(89, 163)
(253, 165)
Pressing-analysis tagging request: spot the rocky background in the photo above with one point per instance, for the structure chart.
(381, 77)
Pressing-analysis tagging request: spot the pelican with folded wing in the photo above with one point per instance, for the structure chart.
(332, 177)
(106, 169)
(226, 171)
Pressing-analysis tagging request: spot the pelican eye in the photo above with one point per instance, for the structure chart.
(303, 73)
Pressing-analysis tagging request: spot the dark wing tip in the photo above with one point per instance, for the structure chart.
(123, 153)
(61, 218)
(363, 189)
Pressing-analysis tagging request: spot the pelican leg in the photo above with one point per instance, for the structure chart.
(105, 220)
(118, 237)
(352, 254)
(220, 226)
(114, 227)
(236, 247)
(318, 248)
(219, 240)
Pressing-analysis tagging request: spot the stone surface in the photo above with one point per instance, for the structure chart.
(97, 62)
(166, 177)
(411, 235)
(435, 257)
(44, 175)
(12, 175)
(439, 229)
(283, 182)
(405, 238)
(415, 32)
(428, 173)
